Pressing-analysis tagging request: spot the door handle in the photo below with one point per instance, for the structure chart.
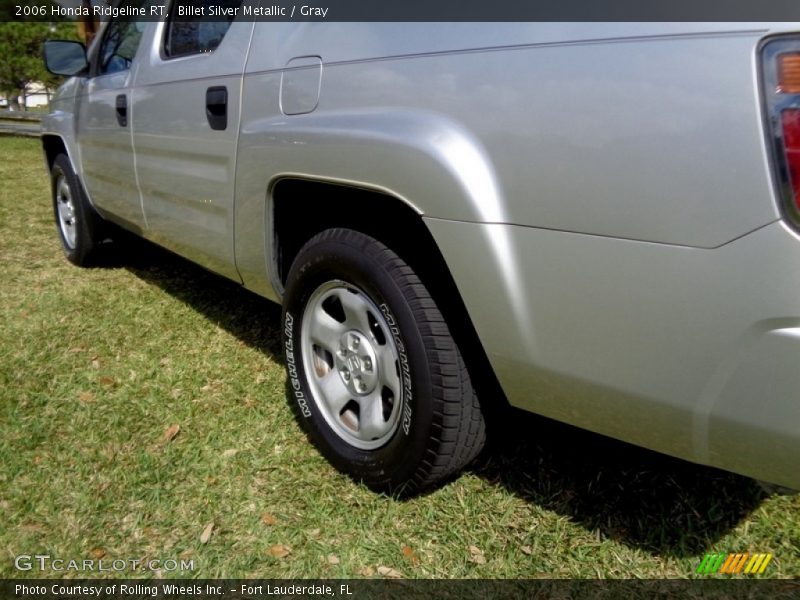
(217, 107)
(122, 110)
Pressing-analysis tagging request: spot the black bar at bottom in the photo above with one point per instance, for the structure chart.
(369, 589)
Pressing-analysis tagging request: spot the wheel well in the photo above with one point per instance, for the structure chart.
(52, 146)
(303, 208)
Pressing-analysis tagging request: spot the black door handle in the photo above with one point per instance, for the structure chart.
(122, 110)
(217, 107)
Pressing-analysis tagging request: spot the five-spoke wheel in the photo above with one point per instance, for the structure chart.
(352, 364)
(65, 210)
(376, 378)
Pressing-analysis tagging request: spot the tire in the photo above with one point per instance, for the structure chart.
(79, 227)
(374, 375)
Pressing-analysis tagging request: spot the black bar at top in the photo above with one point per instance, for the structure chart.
(485, 10)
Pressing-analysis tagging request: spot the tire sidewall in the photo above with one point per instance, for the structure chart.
(84, 231)
(394, 463)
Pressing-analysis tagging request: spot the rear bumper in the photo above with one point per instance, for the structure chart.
(692, 352)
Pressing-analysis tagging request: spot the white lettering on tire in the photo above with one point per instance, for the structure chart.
(405, 370)
(291, 366)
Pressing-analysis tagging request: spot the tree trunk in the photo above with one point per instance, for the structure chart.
(87, 26)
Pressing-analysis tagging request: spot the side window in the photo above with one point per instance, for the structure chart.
(196, 32)
(121, 40)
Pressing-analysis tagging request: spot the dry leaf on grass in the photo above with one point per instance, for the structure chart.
(476, 555)
(279, 550)
(206, 535)
(389, 572)
(269, 519)
(333, 559)
(98, 553)
(107, 381)
(314, 532)
(86, 397)
(365, 571)
(170, 433)
(527, 550)
(409, 553)
(229, 452)
(211, 386)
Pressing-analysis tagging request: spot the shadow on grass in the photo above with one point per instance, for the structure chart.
(646, 500)
(643, 499)
(251, 318)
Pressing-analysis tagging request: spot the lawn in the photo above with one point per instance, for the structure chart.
(100, 367)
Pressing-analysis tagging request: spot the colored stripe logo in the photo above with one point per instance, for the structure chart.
(731, 564)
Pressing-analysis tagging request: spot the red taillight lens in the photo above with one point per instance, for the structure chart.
(790, 121)
(780, 77)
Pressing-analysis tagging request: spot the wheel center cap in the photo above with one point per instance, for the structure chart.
(355, 361)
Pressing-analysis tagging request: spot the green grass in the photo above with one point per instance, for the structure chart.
(95, 365)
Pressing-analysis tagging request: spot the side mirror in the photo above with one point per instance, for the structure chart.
(63, 57)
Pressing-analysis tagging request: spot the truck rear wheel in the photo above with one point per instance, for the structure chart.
(375, 377)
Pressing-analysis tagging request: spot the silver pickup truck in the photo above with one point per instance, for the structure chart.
(602, 218)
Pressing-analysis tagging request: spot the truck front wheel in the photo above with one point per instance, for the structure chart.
(79, 226)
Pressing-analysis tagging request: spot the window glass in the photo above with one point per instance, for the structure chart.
(196, 32)
(121, 40)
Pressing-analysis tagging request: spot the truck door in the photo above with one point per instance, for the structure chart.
(104, 122)
(186, 122)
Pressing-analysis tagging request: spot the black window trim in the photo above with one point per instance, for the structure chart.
(94, 57)
(162, 45)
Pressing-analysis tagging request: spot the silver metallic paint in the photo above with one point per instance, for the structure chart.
(601, 193)
(186, 170)
(687, 351)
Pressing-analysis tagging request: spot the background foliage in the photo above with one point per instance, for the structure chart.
(21, 51)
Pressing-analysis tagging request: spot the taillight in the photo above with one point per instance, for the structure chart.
(790, 123)
(780, 67)
(789, 73)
